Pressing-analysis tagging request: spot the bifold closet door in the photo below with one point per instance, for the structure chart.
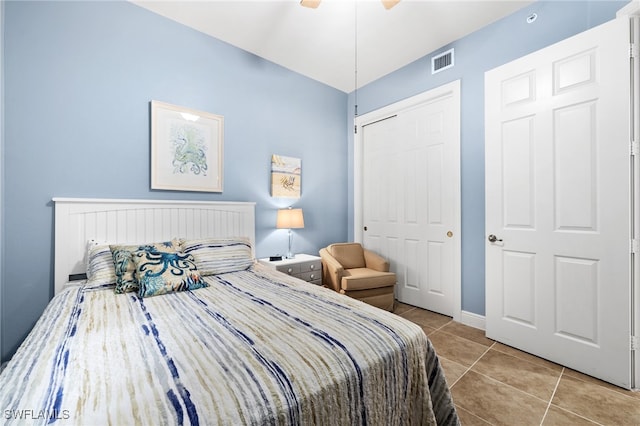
(411, 198)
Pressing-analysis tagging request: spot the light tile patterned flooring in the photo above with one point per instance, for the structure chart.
(494, 384)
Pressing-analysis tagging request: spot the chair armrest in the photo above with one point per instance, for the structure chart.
(375, 261)
(331, 270)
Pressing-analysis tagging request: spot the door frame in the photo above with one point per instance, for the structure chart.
(389, 111)
(632, 12)
(2, 156)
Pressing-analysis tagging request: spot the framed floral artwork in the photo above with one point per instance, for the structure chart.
(285, 176)
(186, 149)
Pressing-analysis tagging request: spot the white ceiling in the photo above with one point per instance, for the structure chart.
(321, 43)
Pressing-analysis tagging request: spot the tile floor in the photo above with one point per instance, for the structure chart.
(495, 384)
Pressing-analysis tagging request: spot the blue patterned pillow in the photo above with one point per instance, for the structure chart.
(165, 272)
(125, 268)
(220, 255)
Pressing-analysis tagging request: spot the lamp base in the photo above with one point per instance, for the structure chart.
(290, 254)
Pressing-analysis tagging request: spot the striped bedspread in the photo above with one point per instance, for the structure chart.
(256, 348)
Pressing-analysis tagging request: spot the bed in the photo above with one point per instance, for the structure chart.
(250, 346)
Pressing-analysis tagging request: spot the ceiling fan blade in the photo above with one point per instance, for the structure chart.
(312, 4)
(388, 4)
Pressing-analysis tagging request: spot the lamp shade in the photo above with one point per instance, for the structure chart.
(289, 219)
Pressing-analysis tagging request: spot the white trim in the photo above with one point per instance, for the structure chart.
(453, 89)
(1, 166)
(473, 320)
(635, 200)
(140, 221)
(631, 11)
(85, 201)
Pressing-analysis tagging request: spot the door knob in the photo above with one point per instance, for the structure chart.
(493, 238)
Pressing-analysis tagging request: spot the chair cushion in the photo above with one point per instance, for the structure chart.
(349, 255)
(365, 278)
(382, 298)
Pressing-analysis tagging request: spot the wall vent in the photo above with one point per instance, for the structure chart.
(442, 61)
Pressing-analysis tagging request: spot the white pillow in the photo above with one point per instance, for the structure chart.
(99, 265)
(220, 255)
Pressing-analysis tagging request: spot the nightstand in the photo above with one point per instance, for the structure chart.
(303, 266)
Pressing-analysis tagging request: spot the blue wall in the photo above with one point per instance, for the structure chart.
(78, 80)
(481, 51)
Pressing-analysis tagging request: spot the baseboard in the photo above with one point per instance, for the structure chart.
(473, 320)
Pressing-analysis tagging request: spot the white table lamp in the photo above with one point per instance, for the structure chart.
(290, 219)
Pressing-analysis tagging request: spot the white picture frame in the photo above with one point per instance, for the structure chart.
(186, 149)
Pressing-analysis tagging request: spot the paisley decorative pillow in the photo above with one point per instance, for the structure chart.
(125, 268)
(161, 272)
(220, 255)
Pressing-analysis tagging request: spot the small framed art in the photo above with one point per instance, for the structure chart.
(285, 176)
(186, 149)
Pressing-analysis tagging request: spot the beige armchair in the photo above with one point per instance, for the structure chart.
(351, 269)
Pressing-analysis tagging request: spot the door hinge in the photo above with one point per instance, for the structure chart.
(635, 246)
(633, 50)
(634, 343)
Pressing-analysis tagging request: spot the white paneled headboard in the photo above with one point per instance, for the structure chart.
(79, 220)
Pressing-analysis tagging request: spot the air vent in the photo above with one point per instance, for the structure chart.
(442, 61)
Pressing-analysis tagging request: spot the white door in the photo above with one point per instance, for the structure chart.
(558, 200)
(411, 197)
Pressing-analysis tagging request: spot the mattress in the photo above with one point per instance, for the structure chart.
(256, 347)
